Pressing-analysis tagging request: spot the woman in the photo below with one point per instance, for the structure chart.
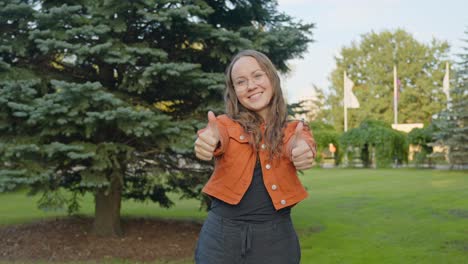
(254, 184)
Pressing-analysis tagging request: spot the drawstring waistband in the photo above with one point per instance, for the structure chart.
(246, 229)
(246, 239)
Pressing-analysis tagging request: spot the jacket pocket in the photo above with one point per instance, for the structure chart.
(238, 146)
(238, 134)
(236, 158)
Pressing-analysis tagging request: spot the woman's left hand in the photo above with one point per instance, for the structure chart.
(301, 154)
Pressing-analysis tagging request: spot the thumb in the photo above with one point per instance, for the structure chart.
(212, 124)
(297, 135)
(211, 120)
(298, 132)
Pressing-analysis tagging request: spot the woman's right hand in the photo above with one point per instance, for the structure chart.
(207, 140)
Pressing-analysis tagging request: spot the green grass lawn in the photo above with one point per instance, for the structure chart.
(351, 215)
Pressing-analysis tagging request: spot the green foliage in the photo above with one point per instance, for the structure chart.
(422, 137)
(83, 85)
(375, 137)
(453, 122)
(369, 64)
(295, 108)
(325, 134)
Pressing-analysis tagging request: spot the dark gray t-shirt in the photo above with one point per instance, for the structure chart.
(255, 205)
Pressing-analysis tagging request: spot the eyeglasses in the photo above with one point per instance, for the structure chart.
(242, 84)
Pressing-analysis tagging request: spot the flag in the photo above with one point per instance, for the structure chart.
(446, 82)
(350, 100)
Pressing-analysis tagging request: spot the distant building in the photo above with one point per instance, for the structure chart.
(407, 127)
(311, 108)
(413, 149)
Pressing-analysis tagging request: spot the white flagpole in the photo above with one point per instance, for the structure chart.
(446, 84)
(345, 100)
(344, 103)
(395, 91)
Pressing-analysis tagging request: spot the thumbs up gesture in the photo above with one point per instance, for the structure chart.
(301, 154)
(207, 140)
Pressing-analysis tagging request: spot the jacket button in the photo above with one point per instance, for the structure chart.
(283, 202)
(274, 187)
(242, 137)
(268, 166)
(263, 146)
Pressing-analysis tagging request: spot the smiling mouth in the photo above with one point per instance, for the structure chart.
(256, 95)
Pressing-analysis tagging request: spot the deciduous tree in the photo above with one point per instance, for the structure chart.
(369, 64)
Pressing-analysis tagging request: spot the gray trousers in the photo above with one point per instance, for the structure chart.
(224, 241)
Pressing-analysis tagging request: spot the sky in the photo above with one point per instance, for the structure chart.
(340, 22)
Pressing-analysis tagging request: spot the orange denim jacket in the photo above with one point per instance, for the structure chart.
(235, 162)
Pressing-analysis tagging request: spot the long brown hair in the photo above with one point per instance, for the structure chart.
(251, 121)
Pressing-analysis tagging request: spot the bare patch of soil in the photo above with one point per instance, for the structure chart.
(70, 239)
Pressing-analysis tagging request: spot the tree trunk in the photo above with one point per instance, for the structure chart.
(107, 209)
(365, 157)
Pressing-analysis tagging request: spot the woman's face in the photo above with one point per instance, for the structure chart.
(252, 85)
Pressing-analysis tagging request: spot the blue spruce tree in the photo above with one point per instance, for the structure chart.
(104, 96)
